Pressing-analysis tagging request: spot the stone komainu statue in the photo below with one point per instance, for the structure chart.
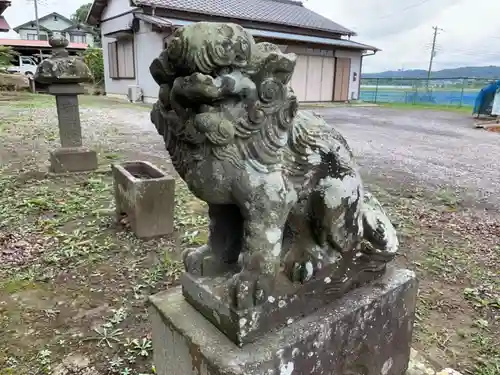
(282, 186)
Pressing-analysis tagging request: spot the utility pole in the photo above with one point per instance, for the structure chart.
(37, 22)
(433, 53)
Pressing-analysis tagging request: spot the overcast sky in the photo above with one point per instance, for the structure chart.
(401, 28)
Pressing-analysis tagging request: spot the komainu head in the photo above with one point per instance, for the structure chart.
(218, 85)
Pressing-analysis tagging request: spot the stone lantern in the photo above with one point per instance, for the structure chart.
(64, 74)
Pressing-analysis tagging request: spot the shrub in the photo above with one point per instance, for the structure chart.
(94, 60)
(6, 55)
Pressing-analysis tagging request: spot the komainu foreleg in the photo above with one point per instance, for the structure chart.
(224, 243)
(265, 213)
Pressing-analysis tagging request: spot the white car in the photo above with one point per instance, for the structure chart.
(25, 65)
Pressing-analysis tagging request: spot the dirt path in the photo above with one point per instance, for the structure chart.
(76, 282)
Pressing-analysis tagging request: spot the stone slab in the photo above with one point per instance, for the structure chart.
(73, 159)
(68, 115)
(368, 331)
(289, 301)
(66, 89)
(146, 195)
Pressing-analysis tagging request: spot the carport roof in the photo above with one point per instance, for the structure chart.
(37, 44)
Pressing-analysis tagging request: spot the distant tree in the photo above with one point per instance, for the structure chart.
(80, 16)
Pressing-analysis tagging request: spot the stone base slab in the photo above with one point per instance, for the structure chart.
(368, 331)
(73, 159)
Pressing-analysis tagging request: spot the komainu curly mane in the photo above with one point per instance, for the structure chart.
(282, 186)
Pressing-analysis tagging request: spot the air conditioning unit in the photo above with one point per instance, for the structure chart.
(134, 94)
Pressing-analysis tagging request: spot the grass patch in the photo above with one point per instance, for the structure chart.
(456, 257)
(25, 100)
(79, 279)
(432, 107)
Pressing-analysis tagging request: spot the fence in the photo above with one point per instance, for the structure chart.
(459, 92)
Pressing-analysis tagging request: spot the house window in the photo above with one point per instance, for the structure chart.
(44, 37)
(78, 38)
(121, 59)
(31, 37)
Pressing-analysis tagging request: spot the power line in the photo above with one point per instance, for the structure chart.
(404, 9)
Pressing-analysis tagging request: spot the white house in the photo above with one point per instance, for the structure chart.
(56, 23)
(134, 33)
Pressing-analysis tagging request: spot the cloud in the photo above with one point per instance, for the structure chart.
(402, 29)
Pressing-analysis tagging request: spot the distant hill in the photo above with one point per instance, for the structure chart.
(485, 72)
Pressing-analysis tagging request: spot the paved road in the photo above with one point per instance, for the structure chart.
(428, 147)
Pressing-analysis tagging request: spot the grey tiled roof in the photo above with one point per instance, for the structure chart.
(284, 12)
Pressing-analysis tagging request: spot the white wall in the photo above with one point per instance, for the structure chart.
(147, 46)
(355, 57)
(116, 7)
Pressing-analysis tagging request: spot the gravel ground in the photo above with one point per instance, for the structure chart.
(453, 250)
(431, 149)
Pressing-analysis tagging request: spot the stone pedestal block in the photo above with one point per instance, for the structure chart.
(73, 159)
(147, 196)
(290, 301)
(368, 331)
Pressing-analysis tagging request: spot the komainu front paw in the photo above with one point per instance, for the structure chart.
(198, 261)
(304, 268)
(248, 288)
(301, 271)
(380, 237)
(203, 261)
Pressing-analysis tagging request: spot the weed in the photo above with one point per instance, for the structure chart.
(154, 275)
(490, 367)
(137, 290)
(50, 313)
(172, 269)
(44, 361)
(119, 315)
(116, 364)
(483, 296)
(106, 336)
(141, 347)
(448, 198)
